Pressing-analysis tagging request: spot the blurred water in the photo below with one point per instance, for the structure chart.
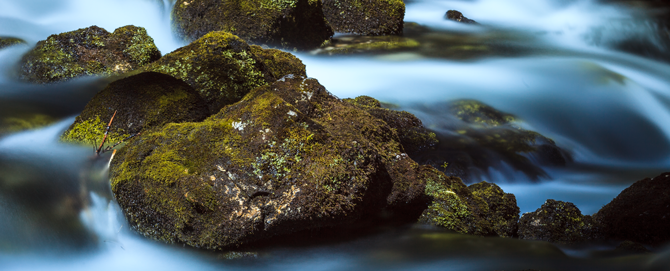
(566, 80)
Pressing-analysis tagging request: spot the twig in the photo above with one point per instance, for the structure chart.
(97, 152)
(109, 148)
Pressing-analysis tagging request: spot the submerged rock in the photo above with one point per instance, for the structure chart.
(9, 41)
(411, 132)
(141, 102)
(503, 211)
(558, 222)
(365, 17)
(474, 137)
(31, 121)
(88, 51)
(456, 15)
(288, 157)
(223, 68)
(640, 213)
(287, 23)
(366, 44)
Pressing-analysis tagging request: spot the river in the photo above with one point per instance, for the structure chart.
(562, 73)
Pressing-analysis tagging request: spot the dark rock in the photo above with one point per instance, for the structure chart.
(365, 17)
(640, 213)
(474, 137)
(287, 23)
(558, 222)
(223, 68)
(366, 44)
(631, 247)
(411, 132)
(9, 41)
(503, 211)
(88, 51)
(289, 157)
(456, 15)
(142, 101)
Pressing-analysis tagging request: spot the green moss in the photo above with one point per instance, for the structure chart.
(15, 124)
(91, 132)
(367, 44)
(377, 17)
(472, 111)
(279, 63)
(9, 41)
(503, 211)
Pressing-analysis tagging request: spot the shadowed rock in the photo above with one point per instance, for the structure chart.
(365, 17)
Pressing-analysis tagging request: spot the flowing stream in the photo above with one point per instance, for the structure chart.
(562, 73)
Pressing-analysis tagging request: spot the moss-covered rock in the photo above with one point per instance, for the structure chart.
(474, 136)
(141, 102)
(223, 68)
(287, 23)
(366, 44)
(411, 132)
(9, 41)
(288, 157)
(457, 16)
(88, 51)
(31, 121)
(365, 17)
(503, 211)
(558, 222)
(640, 213)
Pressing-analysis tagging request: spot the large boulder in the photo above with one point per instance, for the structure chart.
(640, 213)
(223, 68)
(558, 222)
(287, 23)
(365, 17)
(474, 137)
(288, 157)
(88, 51)
(141, 102)
(503, 211)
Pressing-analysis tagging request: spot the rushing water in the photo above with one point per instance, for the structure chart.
(561, 73)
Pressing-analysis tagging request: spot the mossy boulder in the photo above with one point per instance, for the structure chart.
(10, 41)
(366, 45)
(503, 211)
(288, 157)
(365, 17)
(290, 24)
(457, 16)
(640, 213)
(88, 51)
(558, 222)
(411, 132)
(223, 68)
(141, 102)
(474, 137)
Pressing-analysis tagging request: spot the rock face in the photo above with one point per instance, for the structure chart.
(287, 23)
(640, 213)
(222, 68)
(288, 157)
(503, 211)
(558, 222)
(474, 136)
(142, 101)
(9, 41)
(413, 136)
(456, 15)
(365, 17)
(88, 51)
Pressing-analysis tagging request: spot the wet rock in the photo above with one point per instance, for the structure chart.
(287, 23)
(9, 41)
(288, 157)
(88, 51)
(31, 121)
(365, 17)
(474, 137)
(141, 102)
(456, 15)
(630, 247)
(454, 207)
(640, 213)
(222, 68)
(366, 44)
(558, 222)
(411, 132)
(503, 212)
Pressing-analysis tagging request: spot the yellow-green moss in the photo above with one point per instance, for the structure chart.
(15, 124)
(91, 132)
